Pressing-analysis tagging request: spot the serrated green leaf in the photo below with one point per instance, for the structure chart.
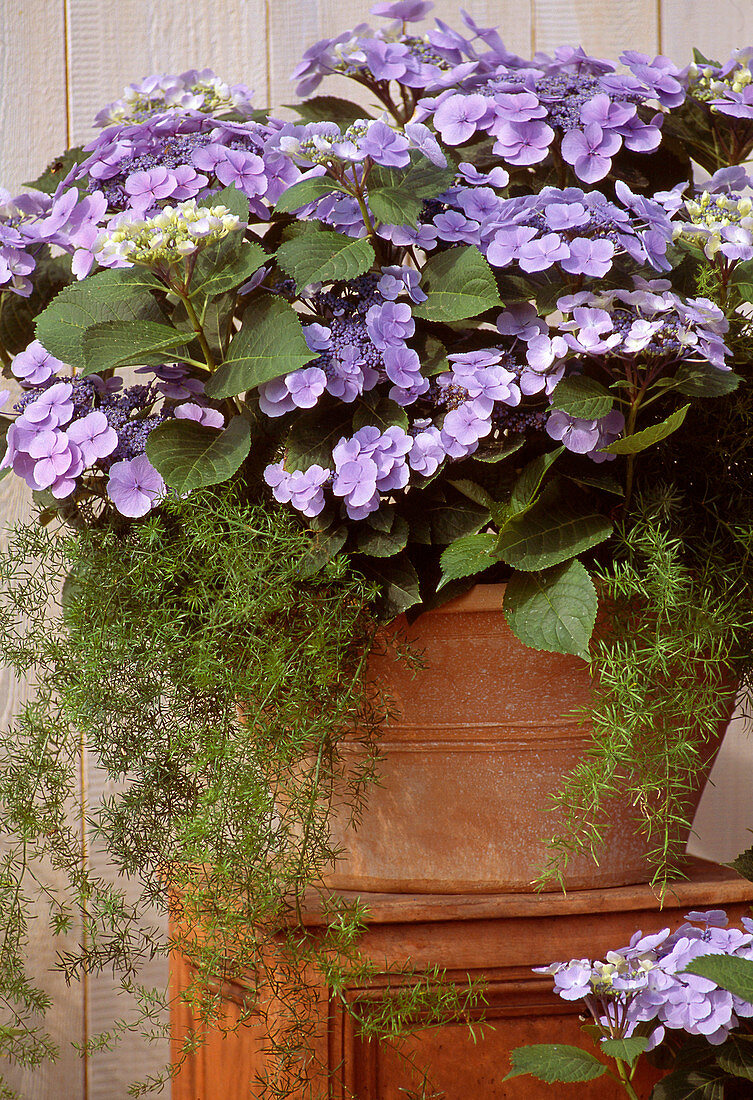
(459, 284)
(329, 108)
(743, 864)
(466, 556)
(236, 202)
(582, 397)
(383, 544)
(735, 1056)
(524, 490)
(551, 532)
(324, 546)
(301, 194)
(219, 269)
(380, 411)
(325, 256)
(270, 344)
(314, 434)
(473, 491)
(191, 455)
(497, 450)
(728, 971)
(122, 294)
(703, 380)
(554, 610)
(639, 441)
(451, 520)
(690, 1085)
(627, 1050)
(122, 343)
(396, 197)
(552, 1062)
(398, 582)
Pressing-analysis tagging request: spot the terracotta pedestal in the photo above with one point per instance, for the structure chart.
(497, 937)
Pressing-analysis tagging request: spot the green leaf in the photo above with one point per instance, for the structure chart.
(524, 490)
(552, 531)
(552, 1062)
(554, 610)
(122, 294)
(582, 397)
(398, 581)
(743, 864)
(329, 108)
(742, 280)
(735, 1056)
(269, 344)
(639, 441)
(690, 1085)
(383, 544)
(301, 194)
(314, 434)
(396, 197)
(18, 315)
(703, 380)
(451, 520)
(727, 971)
(473, 491)
(627, 1050)
(459, 284)
(219, 269)
(190, 455)
(324, 546)
(325, 256)
(379, 410)
(465, 556)
(123, 343)
(497, 450)
(236, 202)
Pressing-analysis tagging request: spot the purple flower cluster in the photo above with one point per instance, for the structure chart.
(194, 91)
(728, 88)
(573, 103)
(644, 982)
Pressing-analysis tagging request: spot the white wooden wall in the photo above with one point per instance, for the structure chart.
(61, 60)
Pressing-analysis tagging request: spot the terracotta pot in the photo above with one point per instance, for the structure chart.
(484, 734)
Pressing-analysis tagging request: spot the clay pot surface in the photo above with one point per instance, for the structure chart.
(483, 736)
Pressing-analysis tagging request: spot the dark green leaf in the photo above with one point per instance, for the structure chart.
(690, 1085)
(728, 971)
(122, 294)
(554, 610)
(628, 1050)
(703, 380)
(459, 283)
(527, 486)
(324, 546)
(742, 280)
(473, 491)
(270, 344)
(552, 531)
(219, 269)
(582, 397)
(378, 409)
(735, 1056)
(301, 194)
(190, 455)
(497, 450)
(236, 202)
(123, 343)
(325, 256)
(383, 544)
(552, 1062)
(451, 520)
(18, 315)
(639, 441)
(743, 864)
(466, 556)
(396, 197)
(329, 108)
(314, 434)
(398, 581)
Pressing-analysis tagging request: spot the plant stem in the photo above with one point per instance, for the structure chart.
(196, 326)
(625, 1079)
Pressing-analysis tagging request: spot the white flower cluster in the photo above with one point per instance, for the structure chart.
(708, 81)
(166, 238)
(719, 222)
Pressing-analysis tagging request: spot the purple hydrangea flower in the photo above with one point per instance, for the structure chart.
(94, 436)
(135, 487)
(35, 364)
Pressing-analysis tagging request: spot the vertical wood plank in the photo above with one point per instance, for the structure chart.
(65, 1019)
(111, 45)
(32, 88)
(295, 25)
(604, 28)
(715, 29)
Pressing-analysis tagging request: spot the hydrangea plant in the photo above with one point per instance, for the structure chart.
(442, 333)
(695, 982)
